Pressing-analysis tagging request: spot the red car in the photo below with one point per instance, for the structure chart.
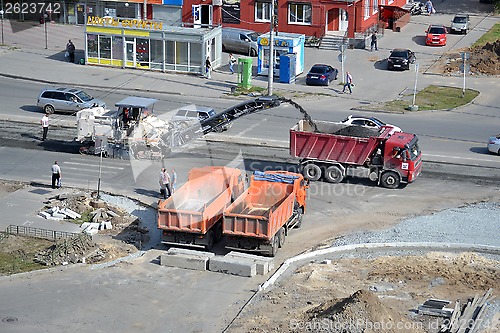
(436, 35)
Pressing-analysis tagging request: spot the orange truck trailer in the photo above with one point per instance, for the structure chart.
(193, 214)
(261, 217)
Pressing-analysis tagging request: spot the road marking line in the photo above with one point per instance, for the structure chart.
(251, 127)
(463, 158)
(93, 165)
(91, 170)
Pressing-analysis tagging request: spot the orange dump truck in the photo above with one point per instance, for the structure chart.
(260, 218)
(193, 214)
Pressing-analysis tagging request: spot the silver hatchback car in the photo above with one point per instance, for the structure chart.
(192, 114)
(66, 100)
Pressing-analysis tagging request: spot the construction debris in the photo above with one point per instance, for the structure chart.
(76, 249)
(465, 319)
(56, 213)
(435, 307)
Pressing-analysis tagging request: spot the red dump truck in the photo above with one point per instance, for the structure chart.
(260, 218)
(193, 214)
(334, 150)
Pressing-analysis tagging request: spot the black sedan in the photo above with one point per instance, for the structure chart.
(400, 59)
(321, 75)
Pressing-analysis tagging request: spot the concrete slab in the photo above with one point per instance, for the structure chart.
(235, 266)
(263, 264)
(196, 262)
(190, 252)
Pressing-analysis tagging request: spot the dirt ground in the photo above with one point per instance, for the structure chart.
(483, 60)
(354, 295)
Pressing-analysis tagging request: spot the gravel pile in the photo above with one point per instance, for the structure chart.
(356, 131)
(476, 224)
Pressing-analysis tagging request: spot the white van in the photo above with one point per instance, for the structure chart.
(239, 40)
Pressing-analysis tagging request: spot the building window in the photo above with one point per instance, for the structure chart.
(104, 47)
(367, 9)
(375, 6)
(299, 13)
(262, 12)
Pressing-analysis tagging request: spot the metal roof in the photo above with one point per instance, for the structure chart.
(137, 102)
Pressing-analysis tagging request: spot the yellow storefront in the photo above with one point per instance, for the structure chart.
(135, 43)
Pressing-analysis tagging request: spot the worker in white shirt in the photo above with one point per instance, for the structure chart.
(56, 175)
(45, 126)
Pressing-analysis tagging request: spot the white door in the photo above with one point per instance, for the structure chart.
(343, 20)
(196, 10)
(130, 52)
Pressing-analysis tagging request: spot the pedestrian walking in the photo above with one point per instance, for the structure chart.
(173, 180)
(45, 126)
(373, 44)
(70, 48)
(232, 61)
(164, 181)
(348, 82)
(208, 68)
(56, 175)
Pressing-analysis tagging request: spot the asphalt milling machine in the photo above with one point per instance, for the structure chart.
(133, 131)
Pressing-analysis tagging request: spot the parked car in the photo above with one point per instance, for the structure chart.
(460, 23)
(400, 59)
(321, 75)
(494, 144)
(240, 40)
(436, 35)
(192, 114)
(368, 122)
(66, 100)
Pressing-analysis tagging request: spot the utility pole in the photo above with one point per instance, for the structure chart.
(1, 13)
(45, 17)
(270, 77)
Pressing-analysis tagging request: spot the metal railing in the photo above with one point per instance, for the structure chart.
(37, 232)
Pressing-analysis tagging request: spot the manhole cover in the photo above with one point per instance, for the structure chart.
(9, 320)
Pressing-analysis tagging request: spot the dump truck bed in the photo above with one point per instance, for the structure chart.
(197, 205)
(335, 142)
(261, 210)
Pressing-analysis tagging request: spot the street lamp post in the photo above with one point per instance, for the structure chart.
(1, 13)
(270, 77)
(45, 16)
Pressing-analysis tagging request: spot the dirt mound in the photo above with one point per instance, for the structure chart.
(358, 313)
(356, 131)
(483, 60)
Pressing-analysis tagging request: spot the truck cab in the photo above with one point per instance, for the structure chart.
(402, 160)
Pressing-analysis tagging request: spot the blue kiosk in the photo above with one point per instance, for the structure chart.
(288, 48)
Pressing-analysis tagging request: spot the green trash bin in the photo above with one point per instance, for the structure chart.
(245, 72)
(82, 61)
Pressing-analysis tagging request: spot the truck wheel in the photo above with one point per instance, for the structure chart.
(311, 172)
(333, 174)
(210, 239)
(390, 179)
(274, 245)
(281, 236)
(218, 231)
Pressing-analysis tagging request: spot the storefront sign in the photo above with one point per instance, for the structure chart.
(231, 11)
(277, 42)
(124, 23)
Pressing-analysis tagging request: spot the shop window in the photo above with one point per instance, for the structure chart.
(195, 59)
(262, 12)
(181, 56)
(142, 50)
(92, 46)
(170, 55)
(156, 53)
(104, 47)
(299, 13)
(375, 6)
(117, 49)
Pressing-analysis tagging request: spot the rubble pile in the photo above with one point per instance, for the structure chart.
(72, 250)
(356, 131)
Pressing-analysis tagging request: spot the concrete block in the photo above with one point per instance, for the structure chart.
(198, 263)
(91, 231)
(69, 213)
(58, 216)
(263, 264)
(94, 225)
(232, 265)
(44, 215)
(112, 214)
(108, 225)
(190, 252)
(53, 210)
(85, 225)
